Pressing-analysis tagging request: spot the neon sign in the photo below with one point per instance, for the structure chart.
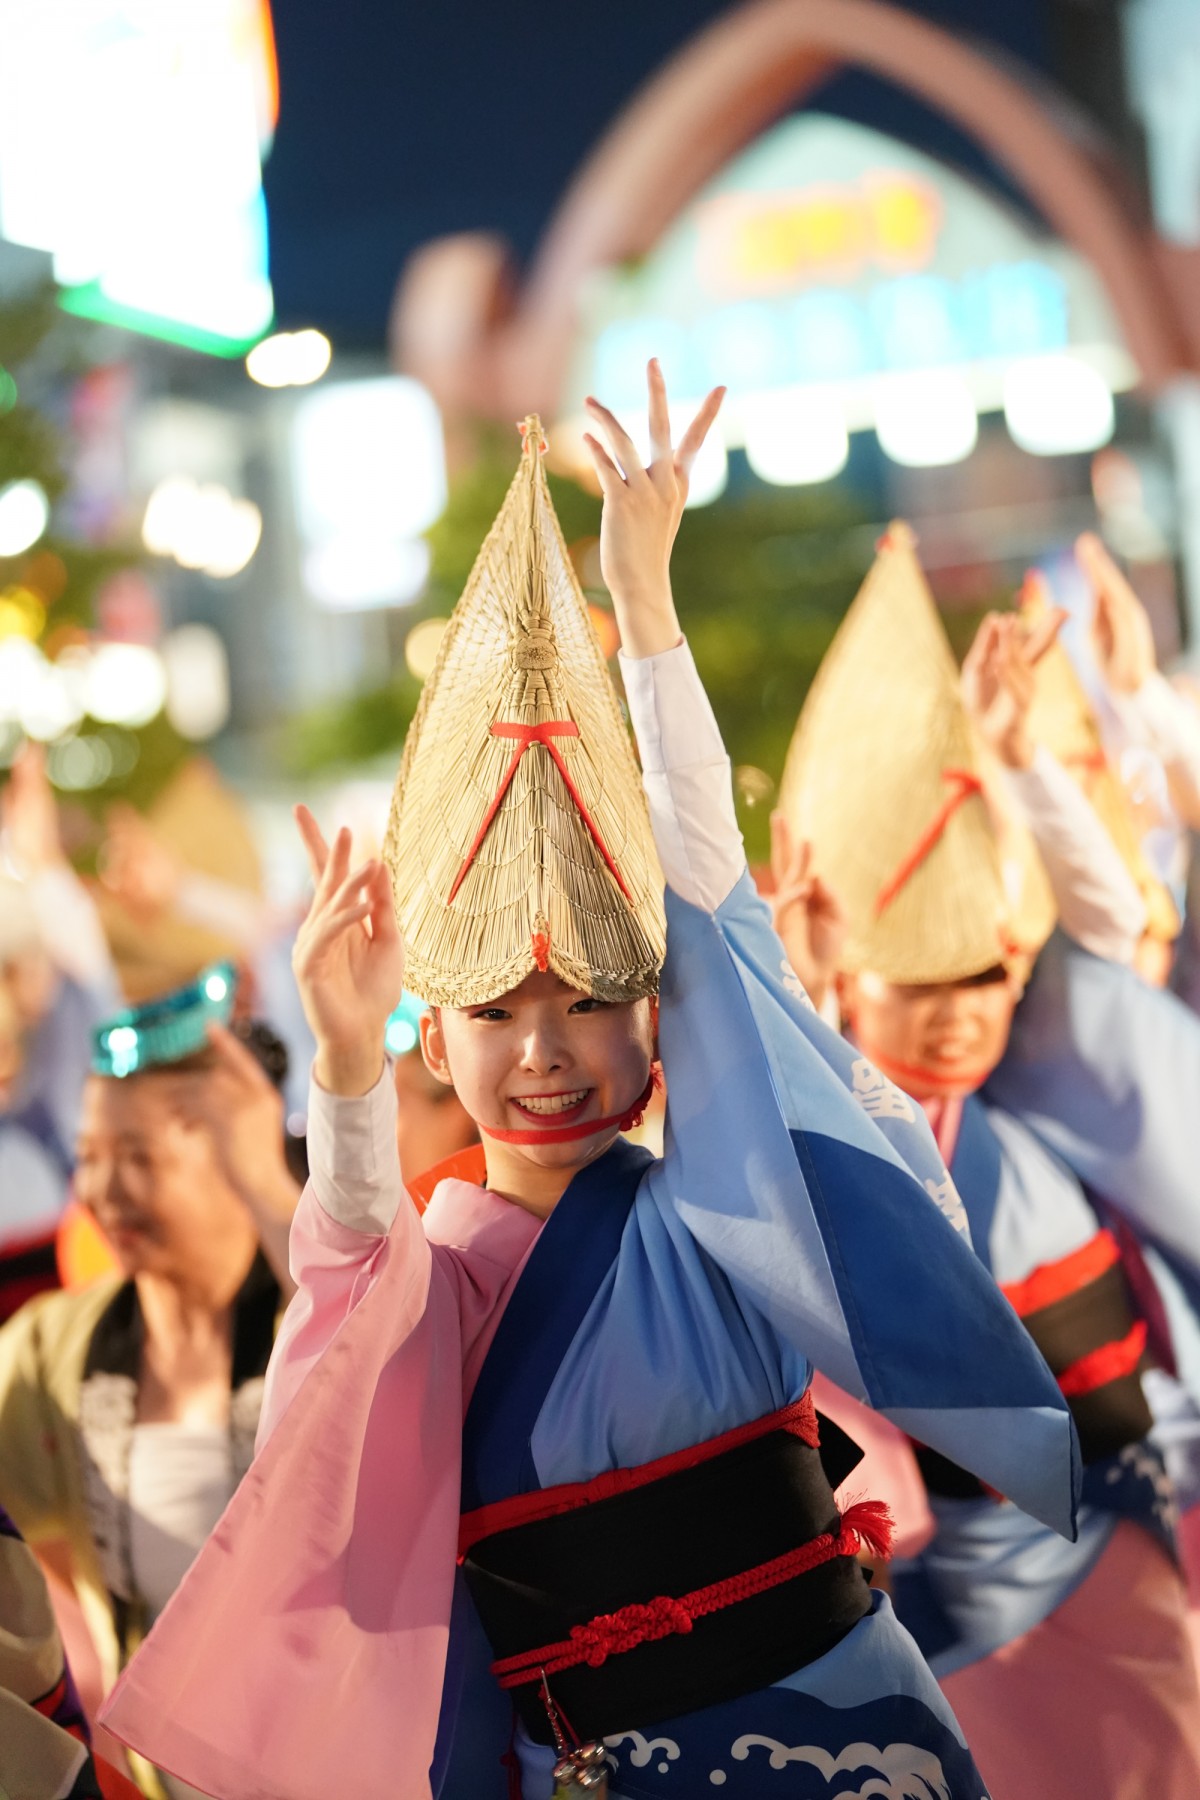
(829, 260)
(758, 243)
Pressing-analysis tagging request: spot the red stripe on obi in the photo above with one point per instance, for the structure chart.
(1108, 1363)
(522, 1509)
(1054, 1281)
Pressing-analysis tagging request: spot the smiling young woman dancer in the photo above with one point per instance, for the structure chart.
(571, 1379)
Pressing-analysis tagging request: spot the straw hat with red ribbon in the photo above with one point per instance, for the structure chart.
(519, 837)
(883, 779)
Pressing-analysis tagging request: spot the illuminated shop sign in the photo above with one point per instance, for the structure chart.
(132, 134)
(835, 275)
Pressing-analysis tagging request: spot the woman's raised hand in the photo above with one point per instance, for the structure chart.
(642, 510)
(1121, 634)
(807, 914)
(348, 961)
(998, 681)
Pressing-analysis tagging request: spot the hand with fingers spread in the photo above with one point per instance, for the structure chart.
(808, 915)
(642, 510)
(1121, 634)
(998, 681)
(348, 961)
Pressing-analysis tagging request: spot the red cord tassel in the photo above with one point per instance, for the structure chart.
(874, 1526)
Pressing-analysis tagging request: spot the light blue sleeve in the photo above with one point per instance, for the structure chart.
(1106, 1071)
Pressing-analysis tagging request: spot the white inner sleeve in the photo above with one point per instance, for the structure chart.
(180, 1482)
(1165, 722)
(70, 926)
(1098, 902)
(687, 777)
(353, 1161)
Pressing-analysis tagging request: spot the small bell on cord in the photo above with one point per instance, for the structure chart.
(584, 1769)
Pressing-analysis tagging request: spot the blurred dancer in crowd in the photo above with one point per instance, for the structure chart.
(128, 1410)
(632, 1339)
(45, 1740)
(56, 983)
(1034, 1638)
(432, 1124)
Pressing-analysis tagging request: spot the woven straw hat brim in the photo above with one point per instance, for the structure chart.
(520, 654)
(882, 745)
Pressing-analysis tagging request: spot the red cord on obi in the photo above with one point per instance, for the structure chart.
(867, 1525)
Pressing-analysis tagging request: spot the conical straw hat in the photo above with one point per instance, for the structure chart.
(882, 778)
(1063, 720)
(519, 836)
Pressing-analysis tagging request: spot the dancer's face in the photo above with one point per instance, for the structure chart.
(543, 1056)
(936, 1039)
(153, 1179)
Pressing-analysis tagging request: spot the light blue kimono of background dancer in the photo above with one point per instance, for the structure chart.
(1105, 1072)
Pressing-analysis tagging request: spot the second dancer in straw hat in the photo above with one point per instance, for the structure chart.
(1033, 1638)
(568, 1381)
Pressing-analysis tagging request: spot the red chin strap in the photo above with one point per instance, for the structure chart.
(586, 1128)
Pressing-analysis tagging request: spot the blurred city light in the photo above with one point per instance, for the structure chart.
(369, 476)
(24, 515)
(126, 684)
(201, 525)
(926, 419)
(421, 646)
(80, 763)
(1056, 405)
(51, 704)
(795, 435)
(155, 220)
(197, 670)
(347, 572)
(289, 359)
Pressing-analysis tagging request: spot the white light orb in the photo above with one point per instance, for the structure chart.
(197, 681)
(421, 646)
(926, 419)
(289, 359)
(1057, 405)
(21, 666)
(352, 572)
(126, 684)
(795, 435)
(51, 704)
(24, 515)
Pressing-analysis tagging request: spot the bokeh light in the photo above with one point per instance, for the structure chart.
(421, 646)
(24, 515)
(289, 359)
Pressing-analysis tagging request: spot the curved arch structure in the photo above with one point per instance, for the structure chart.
(719, 93)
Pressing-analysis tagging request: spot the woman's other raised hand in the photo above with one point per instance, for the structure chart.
(642, 510)
(348, 961)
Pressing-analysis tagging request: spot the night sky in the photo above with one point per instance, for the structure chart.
(399, 123)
